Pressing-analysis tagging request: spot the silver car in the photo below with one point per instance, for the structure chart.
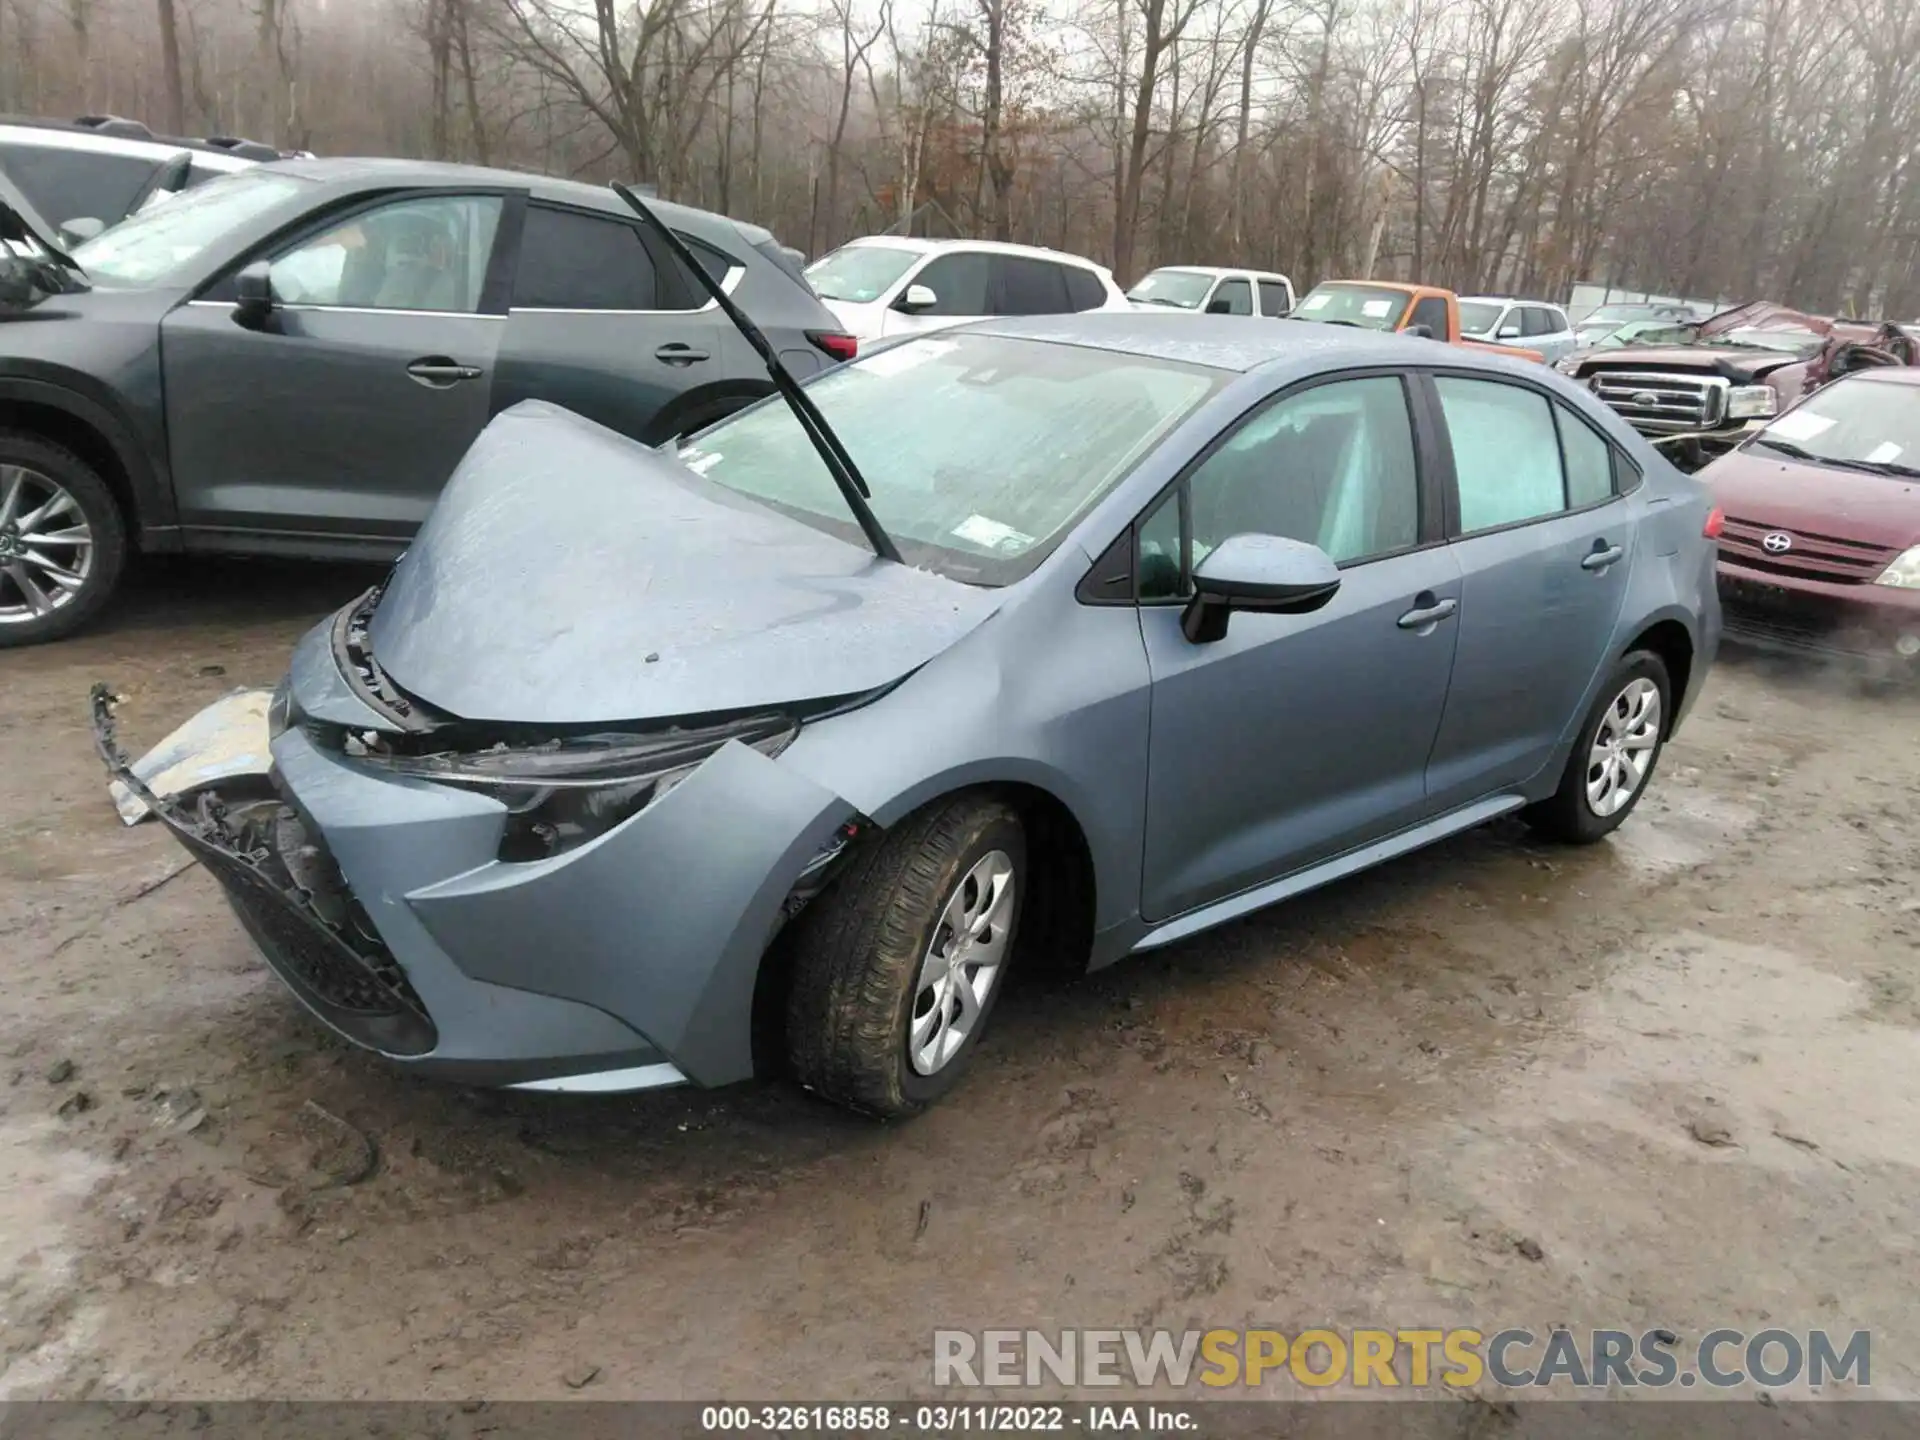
(678, 776)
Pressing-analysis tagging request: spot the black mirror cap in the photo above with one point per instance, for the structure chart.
(1268, 574)
(1425, 332)
(253, 291)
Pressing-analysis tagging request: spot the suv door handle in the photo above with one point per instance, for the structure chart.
(438, 372)
(1601, 558)
(1427, 615)
(679, 354)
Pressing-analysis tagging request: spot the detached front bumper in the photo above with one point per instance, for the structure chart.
(628, 963)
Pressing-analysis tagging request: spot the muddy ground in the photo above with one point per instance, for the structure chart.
(1665, 1081)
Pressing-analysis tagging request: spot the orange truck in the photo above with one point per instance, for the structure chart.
(1386, 305)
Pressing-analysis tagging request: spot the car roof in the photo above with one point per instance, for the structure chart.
(1887, 375)
(922, 246)
(109, 135)
(1226, 342)
(1507, 300)
(1218, 270)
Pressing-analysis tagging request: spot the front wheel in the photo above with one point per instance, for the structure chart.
(1614, 757)
(62, 541)
(898, 966)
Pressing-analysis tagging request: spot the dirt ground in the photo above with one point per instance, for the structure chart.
(1665, 1081)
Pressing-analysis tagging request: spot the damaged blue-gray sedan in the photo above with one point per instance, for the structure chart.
(1062, 638)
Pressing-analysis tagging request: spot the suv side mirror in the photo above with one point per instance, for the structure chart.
(253, 293)
(1263, 573)
(1219, 305)
(1508, 332)
(917, 298)
(81, 228)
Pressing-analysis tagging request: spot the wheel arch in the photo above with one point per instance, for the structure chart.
(78, 422)
(699, 407)
(1670, 639)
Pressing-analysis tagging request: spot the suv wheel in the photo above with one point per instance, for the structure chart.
(62, 541)
(897, 967)
(1614, 757)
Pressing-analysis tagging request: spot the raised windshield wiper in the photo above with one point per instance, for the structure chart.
(839, 464)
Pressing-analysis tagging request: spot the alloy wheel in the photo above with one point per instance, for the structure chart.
(963, 961)
(46, 546)
(1623, 747)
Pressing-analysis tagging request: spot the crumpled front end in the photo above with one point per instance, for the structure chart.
(417, 911)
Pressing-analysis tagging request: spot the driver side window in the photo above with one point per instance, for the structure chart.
(960, 282)
(426, 253)
(1332, 465)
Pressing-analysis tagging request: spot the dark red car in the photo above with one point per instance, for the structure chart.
(1820, 545)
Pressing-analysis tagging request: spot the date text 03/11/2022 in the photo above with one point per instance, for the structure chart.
(948, 1419)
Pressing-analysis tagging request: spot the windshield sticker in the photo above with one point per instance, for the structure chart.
(1800, 425)
(1881, 454)
(991, 534)
(1315, 302)
(902, 358)
(700, 461)
(1374, 309)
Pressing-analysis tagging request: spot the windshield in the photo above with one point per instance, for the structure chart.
(1372, 307)
(981, 451)
(1790, 342)
(859, 272)
(1855, 423)
(1182, 289)
(1479, 318)
(153, 247)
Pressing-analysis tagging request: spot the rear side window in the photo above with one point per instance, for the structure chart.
(571, 261)
(1432, 313)
(1234, 297)
(711, 260)
(1031, 287)
(1506, 454)
(1084, 290)
(65, 185)
(1589, 461)
(959, 283)
(1535, 321)
(1273, 298)
(1558, 319)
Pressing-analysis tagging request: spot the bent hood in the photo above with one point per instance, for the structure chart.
(1780, 492)
(571, 576)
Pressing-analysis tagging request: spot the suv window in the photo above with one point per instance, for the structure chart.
(66, 185)
(1535, 321)
(960, 282)
(1273, 298)
(1332, 465)
(1232, 297)
(1084, 290)
(427, 253)
(573, 261)
(1506, 454)
(1431, 312)
(1031, 287)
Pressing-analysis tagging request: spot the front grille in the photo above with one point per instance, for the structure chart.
(1832, 558)
(1664, 402)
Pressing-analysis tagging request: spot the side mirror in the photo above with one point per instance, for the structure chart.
(1219, 306)
(81, 229)
(1424, 331)
(1262, 573)
(1508, 332)
(253, 293)
(917, 298)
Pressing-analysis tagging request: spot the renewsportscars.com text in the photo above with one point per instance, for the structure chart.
(1385, 1359)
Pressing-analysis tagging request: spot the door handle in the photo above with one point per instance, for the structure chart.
(1601, 558)
(438, 372)
(1425, 616)
(679, 354)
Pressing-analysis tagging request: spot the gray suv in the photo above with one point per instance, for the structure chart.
(290, 360)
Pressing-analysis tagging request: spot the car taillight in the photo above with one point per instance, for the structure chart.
(1716, 519)
(840, 347)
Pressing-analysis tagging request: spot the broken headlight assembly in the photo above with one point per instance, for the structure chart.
(1751, 402)
(1904, 572)
(563, 793)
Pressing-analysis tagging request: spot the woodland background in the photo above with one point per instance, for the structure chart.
(1742, 148)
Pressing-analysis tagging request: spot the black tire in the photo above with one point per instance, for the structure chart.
(1567, 815)
(102, 514)
(859, 949)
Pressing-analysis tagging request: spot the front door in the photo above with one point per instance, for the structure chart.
(1296, 736)
(1544, 547)
(343, 411)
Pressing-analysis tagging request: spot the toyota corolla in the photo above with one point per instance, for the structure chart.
(1067, 637)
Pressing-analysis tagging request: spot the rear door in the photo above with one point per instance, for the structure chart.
(1542, 541)
(1026, 285)
(342, 413)
(1275, 299)
(605, 324)
(1542, 328)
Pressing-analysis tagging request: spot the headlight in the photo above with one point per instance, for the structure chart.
(1567, 365)
(1749, 402)
(566, 792)
(1904, 572)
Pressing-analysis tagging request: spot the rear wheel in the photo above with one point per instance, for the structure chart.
(1614, 758)
(62, 541)
(898, 966)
